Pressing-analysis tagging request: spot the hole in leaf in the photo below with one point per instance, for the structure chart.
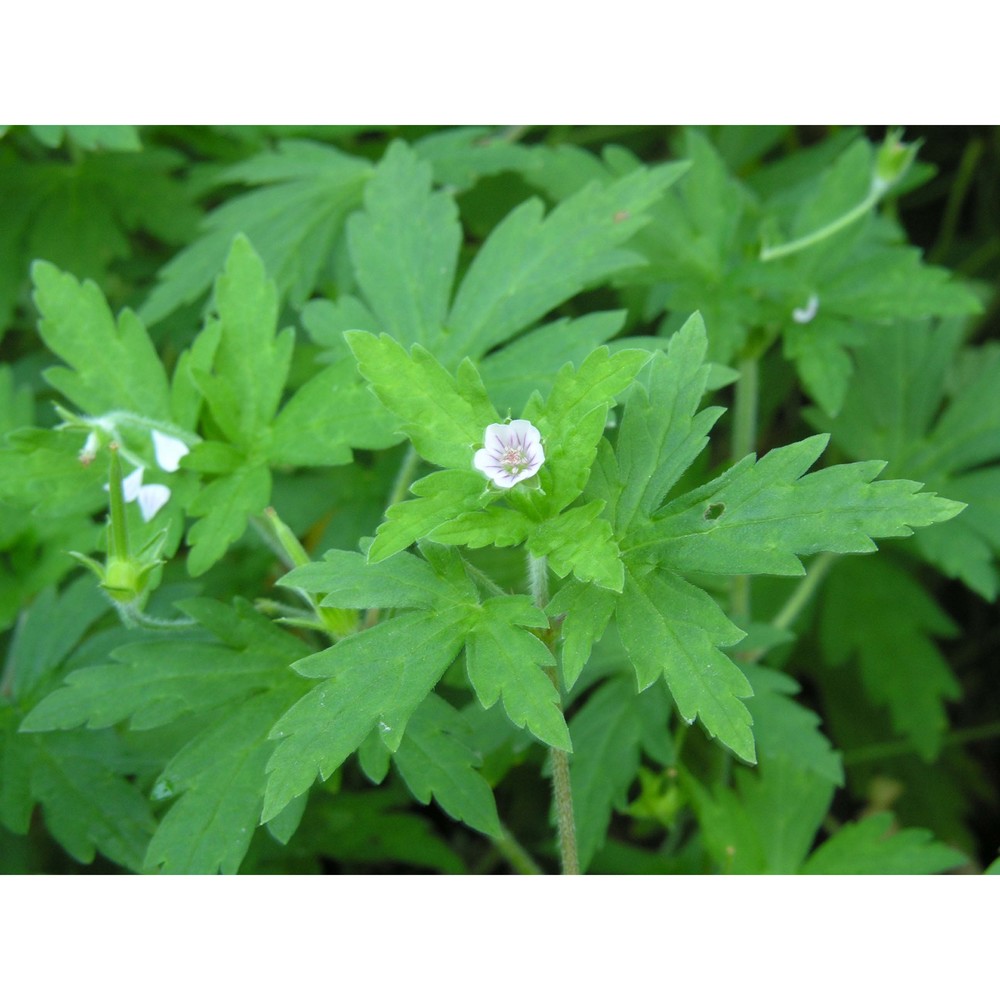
(714, 511)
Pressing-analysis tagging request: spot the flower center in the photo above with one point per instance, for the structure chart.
(513, 459)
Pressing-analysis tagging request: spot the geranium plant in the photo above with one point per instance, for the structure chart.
(460, 503)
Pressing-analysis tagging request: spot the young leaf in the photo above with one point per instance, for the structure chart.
(434, 761)
(329, 416)
(901, 667)
(152, 684)
(89, 137)
(223, 507)
(498, 526)
(894, 398)
(768, 824)
(293, 220)
(220, 777)
(504, 659)
(441, 497)
(250, 364)
(532, 362)
(608, 733)
(348, 580)
(572, 419)
(404, 246)
(671, 628)
(443, 416)
(586, 610)
(523, 270)
(113, 366)
(48, 631)
(782, 727)
(579, 542)
(660, 434)
(79, 780)
(760, 515)
(869, 848)
(374, 678)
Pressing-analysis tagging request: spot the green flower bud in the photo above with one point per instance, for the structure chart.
(893, 160)
(125, 575)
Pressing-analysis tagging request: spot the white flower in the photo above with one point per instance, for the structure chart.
(89, 450)
(807, 313)
(510, 453)
(150, 498)
(169, 451)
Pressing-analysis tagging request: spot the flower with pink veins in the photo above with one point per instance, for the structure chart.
(511, 452)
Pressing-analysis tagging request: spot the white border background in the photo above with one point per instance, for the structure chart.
(456, 63)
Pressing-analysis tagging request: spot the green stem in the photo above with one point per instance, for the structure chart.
(956, 197)
(744, 440)
(897, 748)
(538, 580)
(487, 583)
(132, 617)
(562, 789)
(266, 534)
(799, 598)
(875, 193)
(118, 534)
(745, 407)
(407, 472)
(517, 857)
(512, 133)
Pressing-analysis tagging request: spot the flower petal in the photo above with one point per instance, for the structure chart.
(151, 498)
(484, 461)
(495, 438)
(526, 433)
(169, 451)
(132, 485)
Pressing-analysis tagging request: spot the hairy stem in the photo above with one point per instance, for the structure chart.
(875, 193)
(562, 792)
(133, 617)
(487, 583)
(562, 789)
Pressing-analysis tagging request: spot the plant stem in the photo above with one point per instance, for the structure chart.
(132, 617)
(562, 789)
(538, 580)
(512, 133)
(486, 582)
(745, 406)
(956, 197)
(896, 748)
(517, 857)
(875, 193)
(799, 597)
(562, 792)
(407, 472)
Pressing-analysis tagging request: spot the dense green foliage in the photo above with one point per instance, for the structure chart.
(740, 611)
